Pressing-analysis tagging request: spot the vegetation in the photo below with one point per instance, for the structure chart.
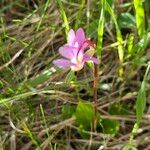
(45, 107)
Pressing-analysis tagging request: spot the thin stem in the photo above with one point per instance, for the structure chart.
(95, 84)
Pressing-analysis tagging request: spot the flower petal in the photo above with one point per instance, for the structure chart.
(80, 36)
(71, 37)
(90, 58)
(63, 63)
(84, 46)
(68, 51)
(77, 67)
(80, 56)
(95, 60)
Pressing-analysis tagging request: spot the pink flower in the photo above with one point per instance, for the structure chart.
(73, 51)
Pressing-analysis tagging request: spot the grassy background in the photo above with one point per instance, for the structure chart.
(36, 102)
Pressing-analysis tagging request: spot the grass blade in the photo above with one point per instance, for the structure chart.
(101, 30)
(141, 98)
(63, 14)
(141, 102)
(118, 32)
(43, 14)
(140, 107)
(119, 37)
(140, 17)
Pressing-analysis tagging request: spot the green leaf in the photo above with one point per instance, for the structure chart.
(84, 115)
(126, 20)
(70, 76)
(119, 109)
(140, 102)
(91, 29)
(83, 133)
(40, 78)
(68, 111)
(142, 44)
(140, 17)
(110, 126)
(64, 16)
(140, 107)
(141, 98)
(129, 147)
(130, 42)
(141, 60)
(133, 133)
(101, 29)
(118, 32)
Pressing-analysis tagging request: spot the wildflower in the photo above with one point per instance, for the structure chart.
(73, 51)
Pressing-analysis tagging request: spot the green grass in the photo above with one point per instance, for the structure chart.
(140, 17)
(44, 107)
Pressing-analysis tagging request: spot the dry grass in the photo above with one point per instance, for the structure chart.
(26, 53)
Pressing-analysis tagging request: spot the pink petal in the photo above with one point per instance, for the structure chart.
(80, 55)
(71, 37)
(63, 63)
(89, 58)
(84, 46)
(80, 36)
(87, 44)
(95, 60)
(68, 51)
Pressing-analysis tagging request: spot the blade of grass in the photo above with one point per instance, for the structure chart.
(119, 37)
(43, 116)
(101, 30)
(141, 98)
(43, 14)
(141, 45)
(64, 17)
(27, 94)
(79, 14)
(96, 67)
(118, 32)
(10, 5)
(140, 107)
(140, 17)
(39, 78)
(32, 136)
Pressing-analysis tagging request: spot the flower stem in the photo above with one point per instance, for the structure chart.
(95, 84)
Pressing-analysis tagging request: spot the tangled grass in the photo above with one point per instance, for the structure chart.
(34, 95)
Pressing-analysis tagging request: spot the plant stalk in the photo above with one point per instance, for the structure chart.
(95, 85)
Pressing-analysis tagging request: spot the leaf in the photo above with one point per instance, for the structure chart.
(142, 44)
(84, 118)
(110, 126)
(101, 30)
(68, 111)
(129, 147)
(84, 115)
(119, 109)
(141, 98)
(130, 42)
(64, 16)
(140, 107)
(126, 20)
(70, 76)
(141, 60)
(40, 78)
(140, 17)
(118, 32)
(140, 102)
(91, 31)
